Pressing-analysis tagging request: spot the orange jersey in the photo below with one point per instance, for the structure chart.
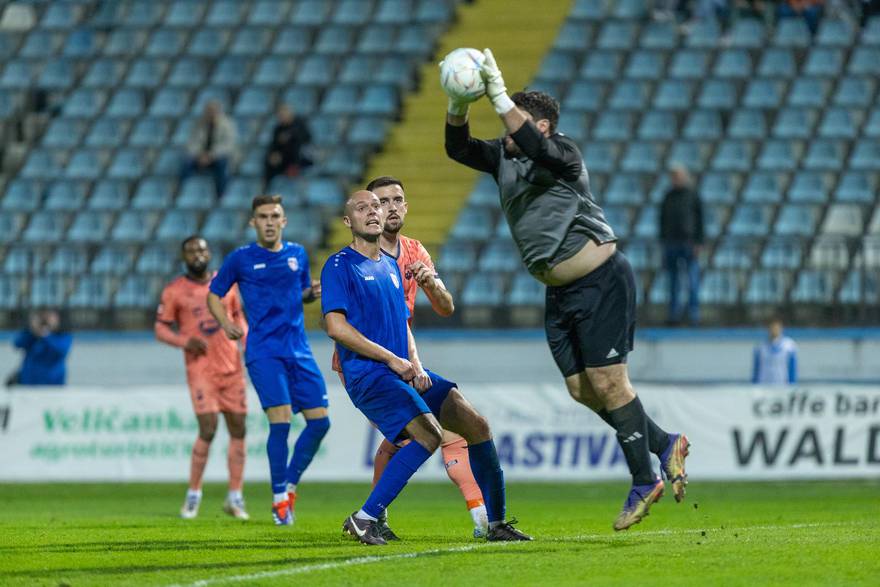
(184, 302)
(409, 251)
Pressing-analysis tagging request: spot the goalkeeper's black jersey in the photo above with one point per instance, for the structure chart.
(545, 194)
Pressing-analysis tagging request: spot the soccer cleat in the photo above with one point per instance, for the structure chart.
(672, 464)
(366, 531)
(282, 514)
(190, 508)
(385, 530)
(637, 504)
(505, 532)
(235, 508)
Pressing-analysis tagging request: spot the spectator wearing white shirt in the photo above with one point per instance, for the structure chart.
(775, 360)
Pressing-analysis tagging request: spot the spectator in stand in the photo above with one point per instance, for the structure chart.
(775, 360)
(681, 232)
(810, 10)
(210, 147)
(45, 351)
(870, 8)
(285, 154)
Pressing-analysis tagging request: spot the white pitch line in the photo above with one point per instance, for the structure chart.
(366, 560)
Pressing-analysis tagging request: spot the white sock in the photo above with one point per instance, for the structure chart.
(362, 515)
(235, 495)
(194, 494)
(279, 497)
(478, 514)
(291, 488)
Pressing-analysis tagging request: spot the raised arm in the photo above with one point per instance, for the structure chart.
(339, 329)
(426, 276)
(463, 148)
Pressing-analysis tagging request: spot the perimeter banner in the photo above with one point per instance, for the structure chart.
(146, 434)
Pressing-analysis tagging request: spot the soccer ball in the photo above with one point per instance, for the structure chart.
(460, 75)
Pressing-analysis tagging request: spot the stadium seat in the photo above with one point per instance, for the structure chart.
(176, 225)
(334, 40)
(153, 194)
(188, 72)
(824, 155)
(90, 226)
(733, 155)
(589, 10)
(86, 164)
(814, 287)
(196, 193)
(859, 287)
(689, 64)
(797, 220)
(613, 126)
(750, 220)
(691, 154)
(808, 91)
(63, 133)
(719, 288)
(136, 291)
(525, 290)
(829, 253)
(125, 43)
(48, 292)
(40, 45)
(624, 189)
(857, 187)
(22, 260)
(602, 65)
(643, 254)
(864, 61)
(129, 163)
(126, 103)
(133, 226)
(67, 260)
(747, 33)
(11, 224)
(250, 41)
(763, 93)
(843, 220)
(90, 291)
(109, 194)
(763, 188)
(767, 287)
(871, 32)
(46, 227)
(107, 133)
(146, 73)
(574, 36)
(854, 92)
(620, 219)
(674, 95)
(254, 102)
(717, 94)
(704, 34)
(10, 292)
(225, 13)
(809, 187)
(641, 157)
(83, 103)
(703, 125)
(587, 96)
(835, 33)
(208, 42)
(795, 123)
(144, 14)
(792, 32)
(617, 34)
(645, 64)
(557, 65)
(166, 42)
(823, 62)
(393, 12)
(170, 103)
(733, 63)
(779, 155)
(782, 253)
(368, 132)
(865, 155)
(104, 73)
(747, 124)
(292, 41)
(629, 95)
(483, 290)
(777, 63)
(268, 12)
(499, 256)
(837, 124)
(58, 74)
(316, 70)
(66, 196)
(473, 224)
(648, 224)
(379, 100)
(718, 188)
(223, 225)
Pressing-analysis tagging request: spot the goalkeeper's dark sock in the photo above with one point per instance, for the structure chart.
(631, 425)
(658, 439)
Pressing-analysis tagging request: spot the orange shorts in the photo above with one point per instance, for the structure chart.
(217, 393)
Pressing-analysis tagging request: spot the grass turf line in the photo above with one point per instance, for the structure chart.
(732, 533)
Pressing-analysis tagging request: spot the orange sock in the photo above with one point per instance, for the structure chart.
(384, 453)
(235, 461)
(197, 463)
(458, 467)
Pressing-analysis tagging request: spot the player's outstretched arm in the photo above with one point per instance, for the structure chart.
(348, 336)
(218, 311)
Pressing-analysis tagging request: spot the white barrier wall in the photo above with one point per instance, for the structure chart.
(744, 432)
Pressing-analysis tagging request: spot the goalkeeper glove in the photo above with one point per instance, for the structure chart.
(495, 87)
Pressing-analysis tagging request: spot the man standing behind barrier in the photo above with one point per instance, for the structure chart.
(45, 351)
(775, 359)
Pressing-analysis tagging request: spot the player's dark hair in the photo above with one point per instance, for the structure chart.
(189, 239)
(540, 105)
(382, 181)
(265, 199)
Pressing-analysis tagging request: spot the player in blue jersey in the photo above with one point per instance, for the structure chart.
(274, 281)
(366, 315)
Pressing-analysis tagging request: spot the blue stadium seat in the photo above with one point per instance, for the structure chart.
(433, 12)
(107, 132)
(856, 186)
(323, 191)
(624, 189)
(473, 224)
(368, 132)
(22, 260)
(268, 12)
(763, 93)
(10, 292)
(600, 157)
(659, 35)
(63, 133)
(763, 188)
(176, 225)
(629, 9)
(719, 288)
(859, 287)
(747, 124)
(574, 36)
(196, 193)
(185, 14)
(865, 155)
(226, 13)
(525, 290)
(674, 95)
(144, 13)
(24, 195)
(767, 286)
(717, 94)
(870, 252)
(808, 91)
(616, 34)
(782, 253)
(703, 125)
(814, 287)
(17, 75)
(146, 73)
(239, 194)
(643, 254)
(358, 70)
(166, 42)
(829, 252)
(483, 290)
(11, 224)
(837, 124)
(67, 260)
(797, 220)
(864, 61)
(586, 96)
(57, 75)
(457, 256)
(689, 153)
(125, 43)
(109, 194)
(104, 73)
(589, 10)
(129, 163)
(620, 219)
(794, 123)
(843, 220)
(48, 291)
(340, 100)
(499, 256)
(170, 103)
(133, 226)
(153, 194)
(733, 155)
(657, 126)
(250, 41)
(301, 100)
(602, 65)
(613, 125)
(86, 164)
(208, 94)
(274, 71)
(136, 291)
(66, 196)
(823, 62)
(809, 187)
(733, 63)
(150, 132)
(689, 64)
(557, 65)
(778, 155)
(641, 157)
(835, 32)
(40, 45)
(871, 32)
(316, 70)
(223, 225)
(792, 32)
(750, 220)
(126, 103)
(573, 124)
(209, 42)
(389, 73)
(855, 92)
(81, 43)
(46, 227)
(379, 100)
(90, 226)
(824, 154)
(334, 40)
(629, 95)
(307, 228)
(393, 12)
(352, 12)
(734, 253)
(648, 224)
(254, 102)
(61, 16)
(292, 41)
(41, 164)
(644, 64)
(704, 34)
(777, 63)
(719, 188)
(747, 33)
(90, 291)
(231, 72)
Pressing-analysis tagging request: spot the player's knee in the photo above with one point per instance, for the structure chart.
(431, 436)
(319, 426)
(480, 430)
(207, 433)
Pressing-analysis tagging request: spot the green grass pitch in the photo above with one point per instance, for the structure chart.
(801, 533)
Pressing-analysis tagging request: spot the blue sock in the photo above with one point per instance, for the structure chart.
(398, 472)
(306, 446)
(489, 476)
(276, 448)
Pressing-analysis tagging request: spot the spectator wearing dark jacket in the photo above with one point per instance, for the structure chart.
(681, 232)
(45, 351)
(285, 154)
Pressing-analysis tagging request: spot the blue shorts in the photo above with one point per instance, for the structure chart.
(390, 403)
(297, 382)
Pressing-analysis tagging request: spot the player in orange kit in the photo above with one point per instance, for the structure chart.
(213, 371)
(418, 271)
